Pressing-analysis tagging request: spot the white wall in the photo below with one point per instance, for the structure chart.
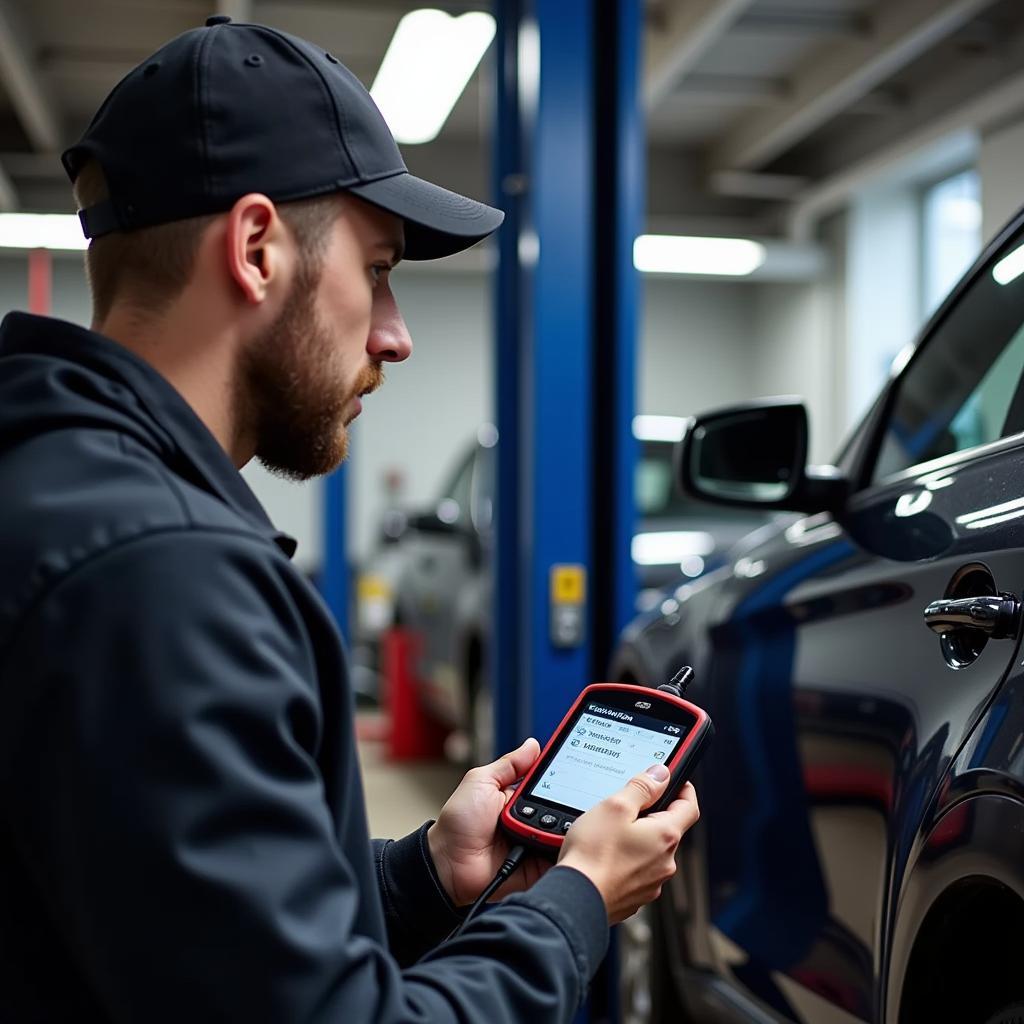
(1000, 160)
(696, 341)
(883, 288)
(430, 406)
(13, 284)
(794, 355)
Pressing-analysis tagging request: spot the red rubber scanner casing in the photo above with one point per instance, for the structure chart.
(680, 766)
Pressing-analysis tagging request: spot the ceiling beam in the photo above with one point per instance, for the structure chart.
(758, 186)
(801, 20)
(836, 76)
(980, 95)
(684, 33)
(19, 74)
(749, 90)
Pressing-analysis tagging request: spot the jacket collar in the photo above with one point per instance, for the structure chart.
(183, 440)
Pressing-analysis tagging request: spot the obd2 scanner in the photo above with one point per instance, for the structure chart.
(612, 732)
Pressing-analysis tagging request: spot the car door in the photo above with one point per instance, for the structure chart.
(837, 709)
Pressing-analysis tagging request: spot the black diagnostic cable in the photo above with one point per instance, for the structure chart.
(505, 872)
(679, 682)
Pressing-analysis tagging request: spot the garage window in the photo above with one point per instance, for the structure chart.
(950, 235)
(963, 387)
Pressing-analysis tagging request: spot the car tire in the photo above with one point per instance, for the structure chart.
(1013, 1014)
(481, 719)
(646, 993)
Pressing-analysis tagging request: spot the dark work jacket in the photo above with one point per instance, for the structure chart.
(182, 829)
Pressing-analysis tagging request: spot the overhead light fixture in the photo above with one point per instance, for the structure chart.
(664, 548)
(658, 428)
(429, 61)
(41, 231)
(692, 254)
(1010, 267)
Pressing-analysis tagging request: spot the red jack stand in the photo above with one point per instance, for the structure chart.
(414, 734)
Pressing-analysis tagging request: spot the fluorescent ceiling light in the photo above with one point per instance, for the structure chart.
(689, 254)
(658, 428)
(670, 546)
(41, 231)
(1009, 268)
(429, 61)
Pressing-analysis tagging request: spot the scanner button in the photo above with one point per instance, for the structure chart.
(548, 820)
(527, 811)
(567, 824)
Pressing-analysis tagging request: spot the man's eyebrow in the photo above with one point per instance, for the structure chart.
(395, 246)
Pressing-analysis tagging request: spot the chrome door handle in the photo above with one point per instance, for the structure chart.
(997, 616)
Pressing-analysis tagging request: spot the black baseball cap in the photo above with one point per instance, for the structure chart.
(231, 108)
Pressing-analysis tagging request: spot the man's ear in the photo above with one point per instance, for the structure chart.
(257, 246)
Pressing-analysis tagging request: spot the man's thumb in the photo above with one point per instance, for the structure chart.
(515, 764)
(642, 790)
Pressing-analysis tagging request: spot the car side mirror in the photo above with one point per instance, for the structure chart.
(394, 522)
(755, 456)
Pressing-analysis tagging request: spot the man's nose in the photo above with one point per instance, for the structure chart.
(389, 340)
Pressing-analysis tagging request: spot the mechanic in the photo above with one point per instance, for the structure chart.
(183, 833)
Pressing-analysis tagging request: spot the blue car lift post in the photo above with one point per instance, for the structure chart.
(569, 172)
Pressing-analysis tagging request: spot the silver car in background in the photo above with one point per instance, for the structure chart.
(431, 572)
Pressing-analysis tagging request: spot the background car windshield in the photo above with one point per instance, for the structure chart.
(658, 497)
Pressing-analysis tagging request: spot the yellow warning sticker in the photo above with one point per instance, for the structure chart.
(568, 584)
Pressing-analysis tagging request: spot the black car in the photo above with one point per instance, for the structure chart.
(860, 855)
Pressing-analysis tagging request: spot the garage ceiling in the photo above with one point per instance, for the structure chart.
(756, 108)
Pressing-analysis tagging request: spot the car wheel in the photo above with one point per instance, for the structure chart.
(481, 719)
(1010, 1015)
(645, 995)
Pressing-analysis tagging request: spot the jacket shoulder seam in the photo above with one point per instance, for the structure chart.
(168, 479)
(38, 599)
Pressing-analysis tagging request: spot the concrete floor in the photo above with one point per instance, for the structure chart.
(401, 795)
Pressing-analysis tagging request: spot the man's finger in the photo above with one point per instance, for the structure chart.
(642, 790)
(513, 765)
(683, 812)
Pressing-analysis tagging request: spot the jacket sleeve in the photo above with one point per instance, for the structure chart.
(169, 805)
(418, 913)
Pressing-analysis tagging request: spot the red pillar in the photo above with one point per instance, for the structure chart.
(40, 281)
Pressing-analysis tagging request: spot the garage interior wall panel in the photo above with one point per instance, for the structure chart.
(696, 343)
(794, 354)
(14, 284)
(883, 289)
(999, 164)
(431, 406)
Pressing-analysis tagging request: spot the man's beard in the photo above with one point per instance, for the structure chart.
(290, 397)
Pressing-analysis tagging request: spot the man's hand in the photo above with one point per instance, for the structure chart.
(465, 842)
(629, 858)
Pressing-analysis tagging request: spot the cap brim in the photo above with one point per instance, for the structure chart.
(437, 222)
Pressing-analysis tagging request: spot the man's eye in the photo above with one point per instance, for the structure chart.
(377, 270)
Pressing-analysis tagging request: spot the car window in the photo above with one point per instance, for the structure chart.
(458, 492)
(658, 496)
(962, 389)
(482, 495)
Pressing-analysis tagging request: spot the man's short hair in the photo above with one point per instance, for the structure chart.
(149, 268)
